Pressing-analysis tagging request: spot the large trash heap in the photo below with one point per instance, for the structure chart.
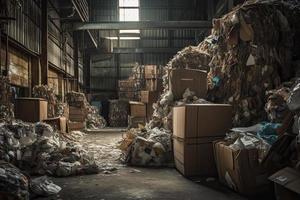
(248, 55)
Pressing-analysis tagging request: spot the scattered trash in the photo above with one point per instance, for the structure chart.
(118, 113)
(43, 186)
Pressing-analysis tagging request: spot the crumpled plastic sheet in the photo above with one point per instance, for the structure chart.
(38, 149)
(43, 186)
(118, 113)
(13, 182)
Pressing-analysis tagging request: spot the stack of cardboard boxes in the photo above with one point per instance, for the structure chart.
(127, 89)
(195, 127)
(153, 78)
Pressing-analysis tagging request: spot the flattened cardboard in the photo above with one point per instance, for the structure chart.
(137, 109)
(181, 79)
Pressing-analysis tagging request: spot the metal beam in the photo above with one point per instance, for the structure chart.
(145, 50)
(142, 25)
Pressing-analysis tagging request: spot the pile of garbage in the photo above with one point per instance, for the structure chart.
(162, 115)
(38, 149)
(15, 184)
(93, 119)
(6, 107)
(244, 62)
(142, 147)
(45, 92)
(118, 113)
(152, 145)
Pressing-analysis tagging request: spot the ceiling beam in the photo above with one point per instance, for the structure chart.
(142, 25)
(145, 50)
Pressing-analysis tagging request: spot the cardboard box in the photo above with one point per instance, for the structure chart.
(134, 122)
(31, 109)
(150, 111)
(137, 109)
(59, 123)
(286, 184)
(149, 96)
(152, 71)
(130, 95)
(240, 169)
(77, 114)
(126, 85)
(154, 85)
(195, 157)
(201, 120)
(75, 126)
(181, 79)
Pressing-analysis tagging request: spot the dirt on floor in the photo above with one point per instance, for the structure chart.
(117, 181)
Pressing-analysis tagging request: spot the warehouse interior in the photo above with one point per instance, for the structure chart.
(149, 99)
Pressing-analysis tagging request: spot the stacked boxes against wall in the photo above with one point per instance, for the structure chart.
(129, 89)
(153, 88)
(195, 127)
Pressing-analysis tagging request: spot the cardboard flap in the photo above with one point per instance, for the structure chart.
(228, 157)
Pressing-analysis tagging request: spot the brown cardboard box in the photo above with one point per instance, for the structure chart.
(152, 71)
(130, 95)
(134, 122)
(59, 123)
(181, 79)
(240, 169)
(286, 184)
(77, 114)
(31, 109)
(195, 157)
(154, 85)
(201, 120)
(124, 85)
(75, 126)
(137, 109)
(149, 96)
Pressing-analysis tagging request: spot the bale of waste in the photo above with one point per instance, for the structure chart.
(118, 113)
(6, 106)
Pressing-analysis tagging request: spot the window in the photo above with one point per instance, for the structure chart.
(129, 11)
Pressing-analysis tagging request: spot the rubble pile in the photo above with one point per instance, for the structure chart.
(118, 113)
(6, 107)
(244, 62)
(93, 118)
(38, 149)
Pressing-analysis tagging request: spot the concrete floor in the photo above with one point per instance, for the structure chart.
(122, 182)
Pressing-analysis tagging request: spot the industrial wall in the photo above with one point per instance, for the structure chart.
(159, 44)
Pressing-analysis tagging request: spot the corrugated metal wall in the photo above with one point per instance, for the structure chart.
(104, 74)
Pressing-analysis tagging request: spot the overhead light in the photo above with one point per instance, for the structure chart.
(123, 38)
